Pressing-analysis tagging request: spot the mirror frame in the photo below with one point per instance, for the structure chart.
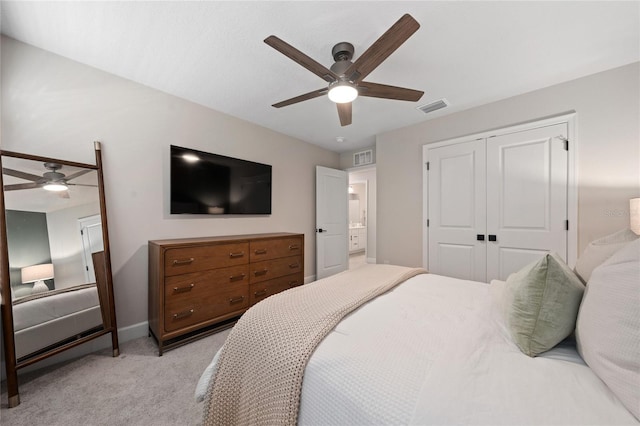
(104, 283)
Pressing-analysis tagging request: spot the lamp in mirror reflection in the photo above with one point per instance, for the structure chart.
(36, 274)
(634, 215)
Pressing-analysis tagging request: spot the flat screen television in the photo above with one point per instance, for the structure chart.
(205, 183)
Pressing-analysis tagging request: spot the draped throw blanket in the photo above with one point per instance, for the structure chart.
(259, 374)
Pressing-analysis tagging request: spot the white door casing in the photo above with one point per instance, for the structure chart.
(332, 228)
(531, 197)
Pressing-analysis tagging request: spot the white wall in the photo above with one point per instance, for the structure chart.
(55, 107)
(608, 131)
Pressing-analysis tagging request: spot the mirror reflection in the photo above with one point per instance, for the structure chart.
(53, 223)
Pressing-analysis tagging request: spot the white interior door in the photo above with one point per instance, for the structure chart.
(332, 228)
(91, 233)
(457, 210)
(526, 198)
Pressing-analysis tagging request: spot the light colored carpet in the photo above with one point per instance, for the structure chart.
(137, 388)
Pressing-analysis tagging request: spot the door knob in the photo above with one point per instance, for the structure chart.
(493, 238)
(480, 237)
(321, 230)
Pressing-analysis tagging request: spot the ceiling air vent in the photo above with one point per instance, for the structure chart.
(434, 106)
(363, 157)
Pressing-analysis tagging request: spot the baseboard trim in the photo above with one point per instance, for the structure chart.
(309, 279)
(371, 260)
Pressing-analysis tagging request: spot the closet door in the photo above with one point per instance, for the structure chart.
(526, 198)
(457, 207)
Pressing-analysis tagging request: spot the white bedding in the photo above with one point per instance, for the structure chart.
(42, 322)
(434, 351)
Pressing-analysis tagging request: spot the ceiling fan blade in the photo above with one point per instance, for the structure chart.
(77, 174)
(301, 98)
(302, 59)
(382, 48)
(21, 186)
(344, 112)
(21, 175)
(375, 90)
(80, 184)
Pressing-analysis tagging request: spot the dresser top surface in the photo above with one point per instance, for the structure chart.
(223, 238)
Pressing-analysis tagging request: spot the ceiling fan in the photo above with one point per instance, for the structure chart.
(345, 77)
(51, 180)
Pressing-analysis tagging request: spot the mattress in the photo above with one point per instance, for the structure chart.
(434, 351)
(47, 320)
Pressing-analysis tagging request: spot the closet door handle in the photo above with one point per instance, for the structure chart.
(493, 237)
(480, 237)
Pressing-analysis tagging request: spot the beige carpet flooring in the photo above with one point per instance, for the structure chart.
(137, 388)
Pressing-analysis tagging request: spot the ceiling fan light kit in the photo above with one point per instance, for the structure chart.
(55, 186)
(342, 92)
(345, 78)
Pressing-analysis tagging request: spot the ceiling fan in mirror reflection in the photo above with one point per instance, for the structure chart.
(51, 180)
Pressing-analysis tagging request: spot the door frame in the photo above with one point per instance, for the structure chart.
(572, 179)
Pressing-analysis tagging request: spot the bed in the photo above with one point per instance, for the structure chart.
(43, 319)
(434, 350)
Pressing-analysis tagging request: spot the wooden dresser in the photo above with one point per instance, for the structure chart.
(198, 286)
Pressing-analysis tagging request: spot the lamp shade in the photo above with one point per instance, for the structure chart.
(634, 215)
(35, 273)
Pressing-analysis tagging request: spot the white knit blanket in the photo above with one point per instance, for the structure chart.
(260, 370)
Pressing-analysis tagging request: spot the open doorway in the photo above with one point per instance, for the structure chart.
(362, 216)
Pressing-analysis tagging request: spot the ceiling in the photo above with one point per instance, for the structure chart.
(40, 200)
(212, 52)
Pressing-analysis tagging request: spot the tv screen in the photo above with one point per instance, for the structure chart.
(205, 183)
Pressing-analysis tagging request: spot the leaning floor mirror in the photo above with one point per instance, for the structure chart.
(55, 268)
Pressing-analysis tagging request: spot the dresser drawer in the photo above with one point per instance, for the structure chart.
(198, 284)
(270, 269)
(205, 304)
(273, 249)
(262, 290)
(183, 260)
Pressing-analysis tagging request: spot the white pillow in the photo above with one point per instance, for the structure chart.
(608, 326)
(600, 250)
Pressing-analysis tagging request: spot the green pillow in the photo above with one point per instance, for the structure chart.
(541, 304)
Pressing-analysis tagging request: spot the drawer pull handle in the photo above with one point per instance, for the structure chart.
(294, 265)
(293, 283)
(183, 314)
(183, 289)
(294, 247)
(261, 272)
(260, 251)
(237, 277)
(183, 261)
(236, 300)
(235, 255)
(260, 293)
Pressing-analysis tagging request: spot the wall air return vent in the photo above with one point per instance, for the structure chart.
(363, 157)
(434, 106)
